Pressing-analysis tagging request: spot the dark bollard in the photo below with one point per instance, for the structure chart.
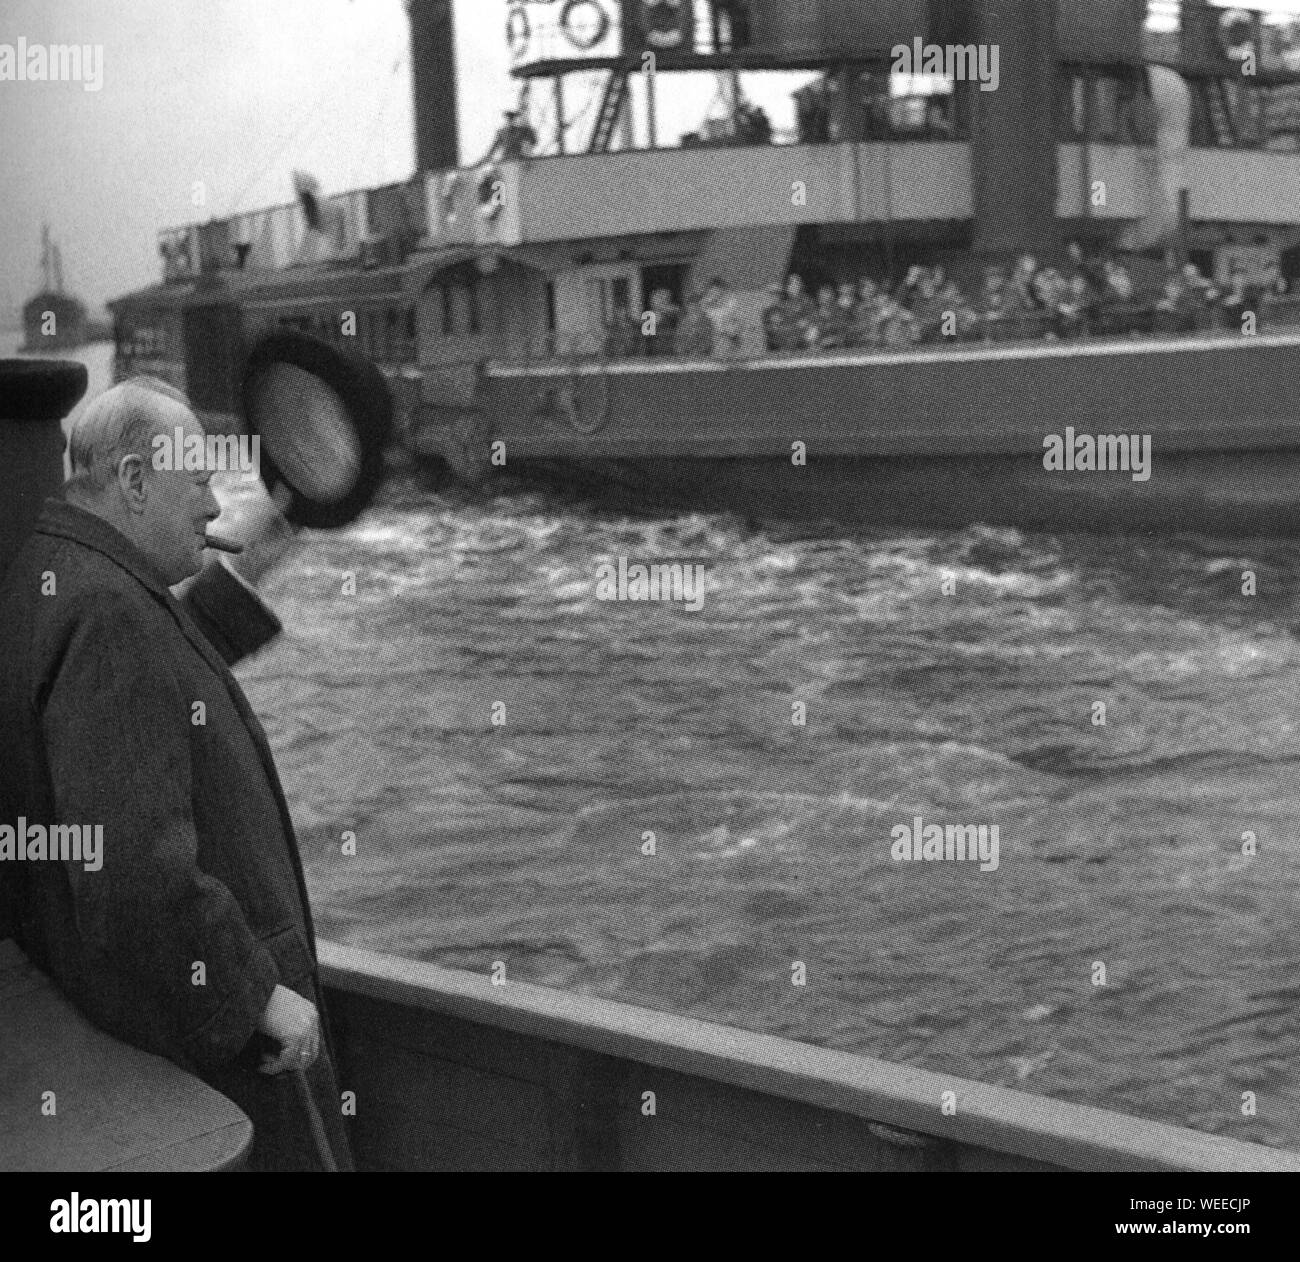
(35, 396)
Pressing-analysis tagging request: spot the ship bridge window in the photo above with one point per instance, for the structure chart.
(473, 297)
(464, 307)
(603, 299)
(905, 107)
(457, 300)
(1074, 111)
(380, 333)
(1246, 110)
(407, 348)
(609, 295)
(1104, 107)
(669, 276)
(731, 25)
(144, 341)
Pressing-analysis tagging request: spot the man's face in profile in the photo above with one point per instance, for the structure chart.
(178, 505)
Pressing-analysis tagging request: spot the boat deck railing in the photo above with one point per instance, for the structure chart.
(1116, 324)
(461, 1072)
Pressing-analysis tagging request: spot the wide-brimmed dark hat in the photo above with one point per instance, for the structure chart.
(366, 411)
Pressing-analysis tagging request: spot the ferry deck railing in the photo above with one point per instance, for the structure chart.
(462, 1073)
(1116, 321)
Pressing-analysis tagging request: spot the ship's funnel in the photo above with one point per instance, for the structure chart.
(433, 79)
(1172, 102)
(1013, 151)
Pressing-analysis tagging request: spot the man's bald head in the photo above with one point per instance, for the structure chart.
(165, 510)
(118, 423)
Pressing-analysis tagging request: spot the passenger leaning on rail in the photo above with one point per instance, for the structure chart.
(695, 330)
(622, 334)
(794, 316)
(194, 938)
(863, 323)
(830, 323)
(1084, 297)
(1238, 297)
(723, 311)
(660, 328)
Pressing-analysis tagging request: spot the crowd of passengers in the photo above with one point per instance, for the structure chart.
(1086, 296)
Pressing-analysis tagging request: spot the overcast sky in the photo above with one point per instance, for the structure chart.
(233, 94)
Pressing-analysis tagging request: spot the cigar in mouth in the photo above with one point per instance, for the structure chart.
(223, 545)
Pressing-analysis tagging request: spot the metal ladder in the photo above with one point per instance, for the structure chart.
(611, 107)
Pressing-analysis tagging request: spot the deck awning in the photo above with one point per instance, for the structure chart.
(421, 269)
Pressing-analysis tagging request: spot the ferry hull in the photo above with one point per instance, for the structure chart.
(1217, 493)
(453, 1072)
(945, 438)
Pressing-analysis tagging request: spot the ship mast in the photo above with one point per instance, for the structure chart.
(47, 279)
(51, 263)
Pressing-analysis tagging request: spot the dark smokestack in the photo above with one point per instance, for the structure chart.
(1014, 150)
(433, 76)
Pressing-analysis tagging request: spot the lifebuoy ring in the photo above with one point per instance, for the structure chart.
(663, 23)
(580, 39)
(519, 31)
(584, 417)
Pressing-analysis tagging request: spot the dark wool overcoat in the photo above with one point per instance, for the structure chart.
(104, 678)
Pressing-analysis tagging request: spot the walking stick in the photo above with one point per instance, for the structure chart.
(323, 1150)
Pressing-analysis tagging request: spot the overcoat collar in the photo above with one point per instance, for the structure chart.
(63, 520)
(68, 521)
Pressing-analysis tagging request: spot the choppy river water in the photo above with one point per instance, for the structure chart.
(1120, 845)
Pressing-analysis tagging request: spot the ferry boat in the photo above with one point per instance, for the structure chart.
(486, 293)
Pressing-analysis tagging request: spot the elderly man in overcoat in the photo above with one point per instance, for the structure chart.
(194, 938)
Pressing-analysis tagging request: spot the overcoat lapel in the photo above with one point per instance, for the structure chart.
(63, 520)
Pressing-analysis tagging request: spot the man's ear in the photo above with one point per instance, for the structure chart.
(131, 482)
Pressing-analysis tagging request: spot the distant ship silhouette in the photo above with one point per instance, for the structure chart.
(54, 320)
